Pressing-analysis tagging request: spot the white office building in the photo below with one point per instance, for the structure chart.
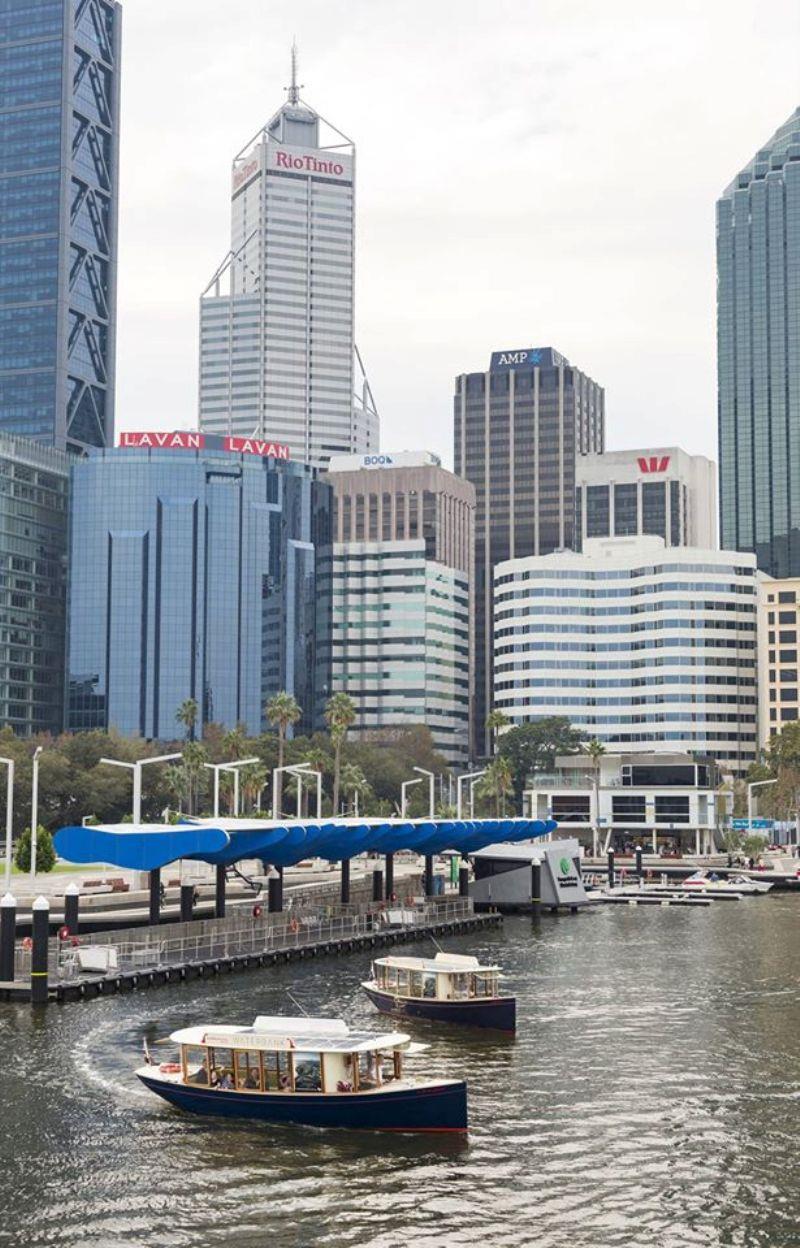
(659, 491)
(645, 647)
(277, 349)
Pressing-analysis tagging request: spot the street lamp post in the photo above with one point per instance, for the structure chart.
(470, 775)
(35, 810)
(404, 787)
(136, 768)
(239, 762)
(473, 784)
(431, 789)
(754, 784)
(9, 762)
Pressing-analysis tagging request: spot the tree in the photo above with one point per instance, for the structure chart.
(784, 748)
(186, 714)
(45, 853)
(184, 780)
(595, 749)
(234, 742)
(534, 747)
(282, 710)
(340, 714)
(496, 720)
(353, 781)
(498, 783)
(252, 780)
(753, 845)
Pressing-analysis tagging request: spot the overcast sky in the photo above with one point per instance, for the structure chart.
(535, 173)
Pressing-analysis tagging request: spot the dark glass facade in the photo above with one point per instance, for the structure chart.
(59, 121)
(34, 485)
(518, 430)
(193, 574)
(758, 355)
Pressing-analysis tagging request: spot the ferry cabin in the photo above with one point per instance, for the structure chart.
(447, 977)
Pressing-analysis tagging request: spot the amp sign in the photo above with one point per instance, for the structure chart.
(528, 357)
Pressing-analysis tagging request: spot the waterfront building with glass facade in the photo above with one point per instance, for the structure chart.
(59, 137)
(645, 647)
(277, 349)
(758, 355)
(664, 492)
(778, 649)
(34, 491)
(401, 587)
(520, 428)
(193, 574)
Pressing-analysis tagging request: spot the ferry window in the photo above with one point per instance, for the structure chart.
(416, 983)
(307, 1072)
(369, 1070)
(460, 985)
(429, 988)
(221, 1067)
(277, 1072)
(196, 1065)
(248, 1070)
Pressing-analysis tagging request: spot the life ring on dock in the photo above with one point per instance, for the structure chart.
(170, 1068)
(27, 943)
(63, 932)
(257, 911)
(294, 926)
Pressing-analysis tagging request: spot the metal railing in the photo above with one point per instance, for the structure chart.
(208, 940)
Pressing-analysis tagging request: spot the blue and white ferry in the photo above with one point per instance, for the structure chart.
(310, 1071)
(449, 988)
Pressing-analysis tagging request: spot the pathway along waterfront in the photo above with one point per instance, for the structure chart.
(651, 1098)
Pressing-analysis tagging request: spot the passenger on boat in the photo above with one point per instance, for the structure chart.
(225, 1081)
(200, 1076)
(251, 1080)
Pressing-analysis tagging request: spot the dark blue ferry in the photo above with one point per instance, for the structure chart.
(446, 989)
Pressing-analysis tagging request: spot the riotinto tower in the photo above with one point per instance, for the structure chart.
(59, 124)
(277, 350)
(758, 355)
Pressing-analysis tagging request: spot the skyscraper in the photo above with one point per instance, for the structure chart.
(59, 132)
(519, 429)
(758, 355)
(277, 350)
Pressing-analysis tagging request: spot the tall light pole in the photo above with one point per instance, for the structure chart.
(9, 762)
(136, 768)
(472, 786)
(431, 789)
(293, 769)
(234, 767)
(404, 787)
(301, 770)
(754, 784)
(470, 775)
(35, 810)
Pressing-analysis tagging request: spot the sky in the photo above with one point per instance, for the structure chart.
(535, 173)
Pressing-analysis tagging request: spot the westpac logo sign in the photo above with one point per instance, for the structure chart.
(653, 463)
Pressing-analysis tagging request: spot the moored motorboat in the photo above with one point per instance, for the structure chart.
(449, 988)
(709, 881)
(310, 1071)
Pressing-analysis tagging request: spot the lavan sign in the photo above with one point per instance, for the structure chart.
(184, 440)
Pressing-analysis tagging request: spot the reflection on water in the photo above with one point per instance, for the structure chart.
(651, 1098)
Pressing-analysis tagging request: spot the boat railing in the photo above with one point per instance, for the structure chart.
(239, 935)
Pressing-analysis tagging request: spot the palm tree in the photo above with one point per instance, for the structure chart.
(252, 780)
(282, 710)
(319, 759)
(496, 720)
(498, 783)
(233, 743)
(340, 714)
(595, 749)
(354, 781)
(186, 714)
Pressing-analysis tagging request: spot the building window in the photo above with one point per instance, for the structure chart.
(626, 510)
(789, 694)
(786, 637)
(787, 595)
(786, 617)
(785, 656)
(597, 511)
(788, 674)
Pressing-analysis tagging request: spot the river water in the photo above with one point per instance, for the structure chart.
(651, 1098)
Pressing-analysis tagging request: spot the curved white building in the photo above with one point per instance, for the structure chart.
(646, 648)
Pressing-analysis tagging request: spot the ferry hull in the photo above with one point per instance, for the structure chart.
(441, 1107)
(497, 1014)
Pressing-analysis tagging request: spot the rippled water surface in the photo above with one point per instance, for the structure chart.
(651, 1098)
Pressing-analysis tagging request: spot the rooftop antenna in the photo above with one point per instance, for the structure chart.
(293, 91)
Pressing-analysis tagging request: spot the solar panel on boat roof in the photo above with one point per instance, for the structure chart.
(288, 1025)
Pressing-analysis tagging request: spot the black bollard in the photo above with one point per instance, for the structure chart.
(280, 887)
(389, 876)
(428, 890)
(154, 883)
(219, 896)
(187, 902)
(274, 899)
(71, 903)
(463, 881)
(377, 885)
(611, 868)
(41, 936)
(536, 891)
(8, 935)
(345, 882)
(639, 871)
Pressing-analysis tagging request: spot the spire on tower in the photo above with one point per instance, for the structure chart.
(293, 91)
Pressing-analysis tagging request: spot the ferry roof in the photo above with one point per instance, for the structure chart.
(302, 1035)
(449, 964)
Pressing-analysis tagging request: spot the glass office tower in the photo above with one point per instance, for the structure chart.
(193, 575)
(758, 355)
(519, 430)
(59, 129)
